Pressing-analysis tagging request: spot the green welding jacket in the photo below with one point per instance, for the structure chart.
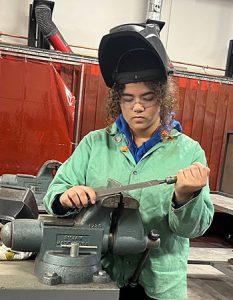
(103, 154)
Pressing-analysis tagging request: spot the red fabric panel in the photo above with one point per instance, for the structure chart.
(209, 118)
(181, 82)
(218, 134)
(228, 123)
(205, 111)
(37, 113)
(89, 99)
(101, 112)
(12, 78)
(36, 119)
(189, 106)
(64, 105)
(67, 74)
(199, 112)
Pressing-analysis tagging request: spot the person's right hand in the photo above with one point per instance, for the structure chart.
(78, 196)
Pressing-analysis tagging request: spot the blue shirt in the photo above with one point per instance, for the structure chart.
(138, 152)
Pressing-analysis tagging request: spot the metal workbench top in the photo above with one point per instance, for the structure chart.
(222, 203)
(17, 282)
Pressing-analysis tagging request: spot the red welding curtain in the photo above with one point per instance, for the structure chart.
(37, 116)
(37, 113)
(205, 112)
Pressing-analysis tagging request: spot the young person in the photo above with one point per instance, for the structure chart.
(143, 143)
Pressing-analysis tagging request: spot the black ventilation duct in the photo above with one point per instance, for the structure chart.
(229, 66)
(42, 30)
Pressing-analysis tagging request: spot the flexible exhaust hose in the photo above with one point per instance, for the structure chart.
(49, 29)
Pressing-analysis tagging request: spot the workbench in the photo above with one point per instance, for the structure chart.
(206, 281)
(222, 203)
(17, 282)
(219, 258)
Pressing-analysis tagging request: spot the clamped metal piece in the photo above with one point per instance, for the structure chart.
(101, 192)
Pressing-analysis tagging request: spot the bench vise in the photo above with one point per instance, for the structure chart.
(70, 249)
(38, 184)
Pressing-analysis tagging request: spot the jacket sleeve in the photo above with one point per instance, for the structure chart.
(193, 218)
(72, 172)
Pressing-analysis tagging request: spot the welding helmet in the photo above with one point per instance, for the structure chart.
(133, 53)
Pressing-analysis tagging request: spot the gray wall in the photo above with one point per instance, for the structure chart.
(196, 31)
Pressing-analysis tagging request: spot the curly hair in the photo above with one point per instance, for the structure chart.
(165, 95)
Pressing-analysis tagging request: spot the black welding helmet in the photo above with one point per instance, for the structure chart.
(133, 53)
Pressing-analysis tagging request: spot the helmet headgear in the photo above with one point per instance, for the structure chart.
(133, 53)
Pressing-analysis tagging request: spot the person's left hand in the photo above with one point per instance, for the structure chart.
(190, 180)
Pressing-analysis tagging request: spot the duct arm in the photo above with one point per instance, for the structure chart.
(48, 28)
(154, 10)
(154, 13)
(154, 17)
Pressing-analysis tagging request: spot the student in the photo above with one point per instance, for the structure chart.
(141, 144)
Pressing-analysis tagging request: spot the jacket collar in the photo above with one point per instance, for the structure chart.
(112, 130)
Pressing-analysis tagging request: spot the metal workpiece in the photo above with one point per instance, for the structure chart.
(114, 200)
(110, 191)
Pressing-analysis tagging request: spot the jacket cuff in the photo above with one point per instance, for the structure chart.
(176, 205)
(57, 208)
